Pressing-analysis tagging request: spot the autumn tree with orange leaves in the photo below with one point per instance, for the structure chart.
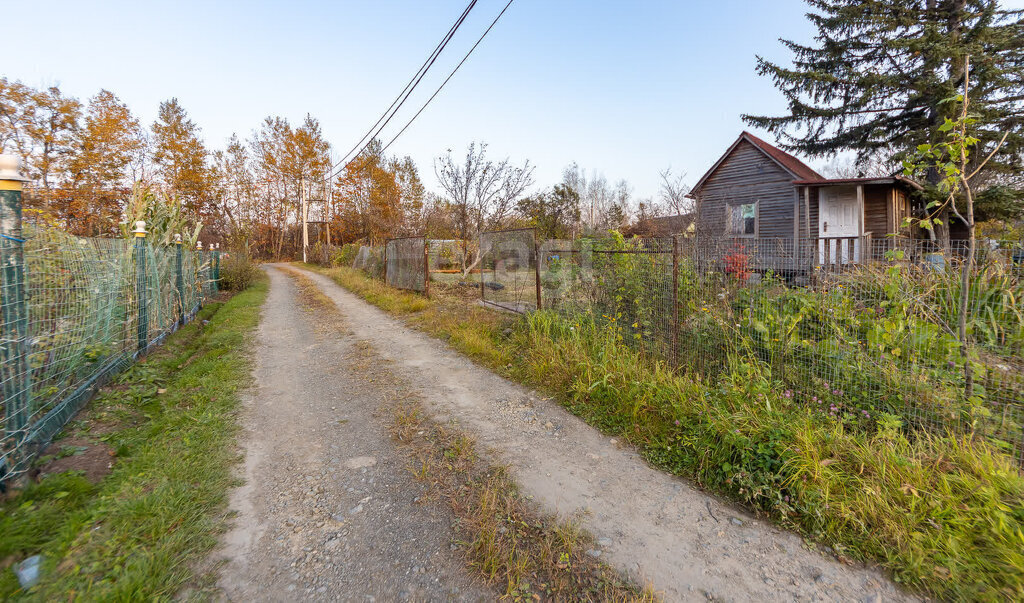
(84, 159)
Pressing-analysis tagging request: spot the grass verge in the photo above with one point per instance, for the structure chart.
(170, 424)
(508, 540)
(944, 515)
(527, 553)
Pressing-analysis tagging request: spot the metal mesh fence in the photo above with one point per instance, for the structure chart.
(370, 260)
(407, 266)
(625, 284)
(857, 329)
(450, 256)
(82, 323)
(508, 269)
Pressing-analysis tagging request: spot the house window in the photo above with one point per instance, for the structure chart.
(742, 219)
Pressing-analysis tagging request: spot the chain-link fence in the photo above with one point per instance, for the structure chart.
(857, 329)
(76, 311)
(509, 273)
(407, 265)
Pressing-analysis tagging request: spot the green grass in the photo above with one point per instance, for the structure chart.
(943, 515)
(142, 531)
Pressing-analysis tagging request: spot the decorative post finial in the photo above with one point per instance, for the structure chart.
(140, 229)
(10, 173)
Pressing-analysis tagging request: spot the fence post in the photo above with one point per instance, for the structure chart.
(209, 268)
(14, 334)
(426, 267)
(675, 299)
(216, 267)
(141, 293)
(480, 253)
(536, 266)
(179, 280)
(199, 272)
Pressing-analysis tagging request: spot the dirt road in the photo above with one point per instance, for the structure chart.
(328, 513)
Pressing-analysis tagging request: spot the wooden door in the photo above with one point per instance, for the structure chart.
(839, 217)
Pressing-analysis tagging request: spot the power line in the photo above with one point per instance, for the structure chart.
(410, 86)
(434, 95)
(449, 76)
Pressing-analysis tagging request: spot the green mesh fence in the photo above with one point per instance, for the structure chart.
(82, 298)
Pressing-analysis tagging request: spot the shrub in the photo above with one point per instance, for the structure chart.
(344, 255)
(237, 272)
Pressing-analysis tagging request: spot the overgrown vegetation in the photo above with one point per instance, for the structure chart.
(237, 272)
(944, 513)
(170, 424)
(879, 339)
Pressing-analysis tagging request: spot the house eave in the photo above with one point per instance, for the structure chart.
(844, 181)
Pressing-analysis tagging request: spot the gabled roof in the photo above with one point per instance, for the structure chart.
(798, 169)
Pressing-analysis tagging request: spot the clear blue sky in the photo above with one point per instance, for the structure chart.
(624, 88)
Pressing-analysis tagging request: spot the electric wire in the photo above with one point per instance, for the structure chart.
(434, 95)
(408, 89)
(436, 92)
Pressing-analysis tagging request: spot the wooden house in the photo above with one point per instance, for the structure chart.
(768, 203)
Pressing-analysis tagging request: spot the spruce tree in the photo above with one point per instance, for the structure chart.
(877, 79)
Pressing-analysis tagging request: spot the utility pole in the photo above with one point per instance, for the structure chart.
(305, 211)
(330, 209)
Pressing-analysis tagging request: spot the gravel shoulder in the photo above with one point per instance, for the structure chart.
(655, 527)
(328, 510)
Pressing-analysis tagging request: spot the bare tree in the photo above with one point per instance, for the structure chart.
(850, 167)
(482, 192)
(673, 193)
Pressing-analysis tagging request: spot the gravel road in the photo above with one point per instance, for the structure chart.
(327, 511)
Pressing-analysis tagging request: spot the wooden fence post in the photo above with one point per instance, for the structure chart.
(17, 386)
